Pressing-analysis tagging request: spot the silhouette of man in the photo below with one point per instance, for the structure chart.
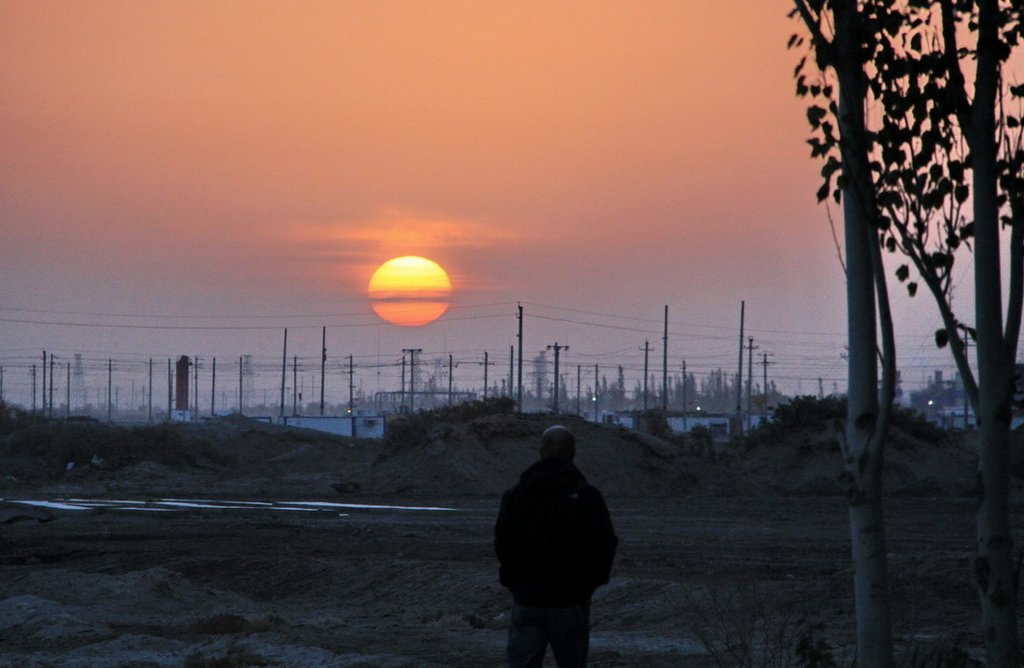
(555, 544)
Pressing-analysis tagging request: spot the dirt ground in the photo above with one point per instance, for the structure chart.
(745, 550)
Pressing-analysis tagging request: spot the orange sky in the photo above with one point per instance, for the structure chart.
(263, 158)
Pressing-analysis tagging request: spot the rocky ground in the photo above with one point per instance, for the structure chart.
(730, 554)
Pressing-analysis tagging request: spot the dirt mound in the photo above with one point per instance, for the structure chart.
(486, 455)
(219, 458)
(808, 462)
(465, 451)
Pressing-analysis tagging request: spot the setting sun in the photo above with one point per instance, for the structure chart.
(409, 291)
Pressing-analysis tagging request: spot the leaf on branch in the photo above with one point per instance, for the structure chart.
(941, 338)
(912, 288)
(830, 167)
(814, 115)
(889, 198)
(902, 272)
(940, 260)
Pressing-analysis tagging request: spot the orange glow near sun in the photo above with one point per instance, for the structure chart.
(409, 291)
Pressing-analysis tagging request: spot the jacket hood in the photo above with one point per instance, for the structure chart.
(552, 474)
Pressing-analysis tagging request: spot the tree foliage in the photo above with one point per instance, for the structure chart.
(913, 54)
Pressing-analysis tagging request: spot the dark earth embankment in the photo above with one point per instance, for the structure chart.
(723, 545)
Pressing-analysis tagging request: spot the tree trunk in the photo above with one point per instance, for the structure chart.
(994, 566)
(863, 449)
(865, 432)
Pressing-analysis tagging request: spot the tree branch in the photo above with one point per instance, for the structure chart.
(1016, 288)
(888, 351)
(913, 250)
(812, 22)
(957, 89)
(835, 237)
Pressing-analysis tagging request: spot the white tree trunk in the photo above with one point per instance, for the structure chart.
(994, 566)
(863, 450)
(865, 432)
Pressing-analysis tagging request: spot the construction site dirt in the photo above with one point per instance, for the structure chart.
(251, 545)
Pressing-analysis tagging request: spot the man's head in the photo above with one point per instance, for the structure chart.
(557, 442)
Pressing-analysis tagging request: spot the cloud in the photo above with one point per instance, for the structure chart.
(352, 250)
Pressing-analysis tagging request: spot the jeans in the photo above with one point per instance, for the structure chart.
(532, 628)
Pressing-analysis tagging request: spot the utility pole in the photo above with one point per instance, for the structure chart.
(170, 382)
(110, 384)
(557, 348)
(49, 411)
(764, 393)
(241, 410)
(295, 385)
(42, 397)
(739, 373)
(664, 365)
(195, 383)
(412, 376)
(149, 417)
(511, 366)
(451, 367)
(595, 395)
(519, 379)
(352, 394)
(323, 369)
(750, 377)
(486, 364)
(686, 406)
(351, 389)
(33, 389)
(213, 389)
(647, 350)
(579, 379)
(284, 365)
(401, 390)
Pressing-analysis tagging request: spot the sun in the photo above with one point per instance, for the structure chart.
(409, 291)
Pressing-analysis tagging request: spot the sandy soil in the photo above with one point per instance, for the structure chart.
(743, 549)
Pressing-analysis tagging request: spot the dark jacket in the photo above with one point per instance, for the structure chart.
(554, 537)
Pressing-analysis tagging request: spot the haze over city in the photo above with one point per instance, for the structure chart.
(191, 179)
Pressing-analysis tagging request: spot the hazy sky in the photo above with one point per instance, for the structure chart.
(166, 166)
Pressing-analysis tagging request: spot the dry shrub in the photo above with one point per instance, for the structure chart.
(738, 627)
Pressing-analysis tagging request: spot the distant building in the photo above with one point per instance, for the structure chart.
(720, 426)
(359, 426)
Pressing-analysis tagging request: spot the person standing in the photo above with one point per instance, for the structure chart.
(555, 545)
